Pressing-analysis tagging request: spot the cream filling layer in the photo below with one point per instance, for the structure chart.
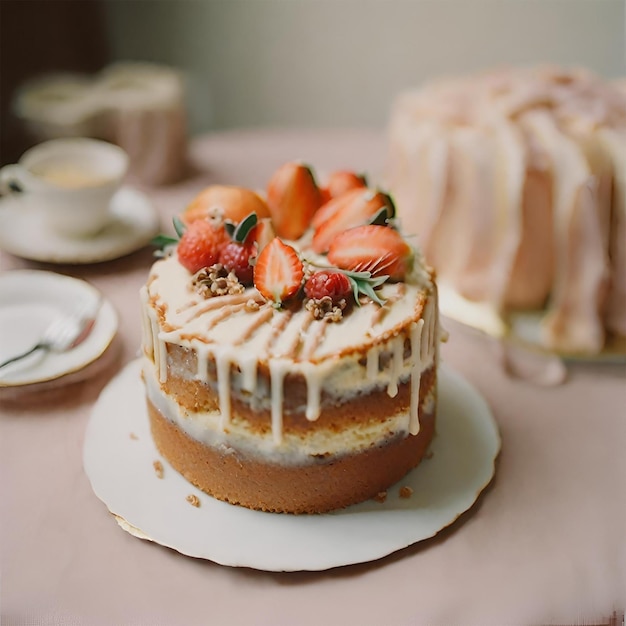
(294, 449)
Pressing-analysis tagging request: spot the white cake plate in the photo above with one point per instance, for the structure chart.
(119, 455)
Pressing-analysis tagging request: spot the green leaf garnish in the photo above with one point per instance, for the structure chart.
(381, 217)
(230, 228)
(390, 205)
(244, 227)
(160, 241)
(179, 226)
(364, 283)
(239, 232)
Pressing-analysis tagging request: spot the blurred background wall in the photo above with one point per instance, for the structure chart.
(340, 62)
(300, 63)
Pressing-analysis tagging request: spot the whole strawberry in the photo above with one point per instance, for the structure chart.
(328, 283)
(200, 245)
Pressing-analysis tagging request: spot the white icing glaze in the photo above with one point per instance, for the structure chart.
(416, 351)
(325, 354)
(372, 363)
(397, 349)
(223, 356)
(202, 357)
(314, 383)
(278, 370)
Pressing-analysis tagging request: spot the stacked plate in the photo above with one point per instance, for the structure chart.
(30, 300)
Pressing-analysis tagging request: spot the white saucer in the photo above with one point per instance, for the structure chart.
(119, 454)
(29, 301)
(22, 231)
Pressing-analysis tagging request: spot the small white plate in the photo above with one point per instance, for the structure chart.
(119, 454)
(23, 232)
(29, 301)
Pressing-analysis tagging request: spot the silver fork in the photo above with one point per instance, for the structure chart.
(64, 332)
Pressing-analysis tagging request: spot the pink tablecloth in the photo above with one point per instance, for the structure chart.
(546, 543)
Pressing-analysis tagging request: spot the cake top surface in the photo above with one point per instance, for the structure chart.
(309, 274)
(248, 324)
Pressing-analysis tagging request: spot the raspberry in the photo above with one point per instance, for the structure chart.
(327, 283)
(236, 257)
(200, 245)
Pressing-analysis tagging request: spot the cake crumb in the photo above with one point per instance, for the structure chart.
(381, 496)
(133, 436)
(193, 500)
(158, 468)
(406, 492)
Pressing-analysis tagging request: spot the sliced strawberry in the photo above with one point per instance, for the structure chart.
(328, 283)
(380, 250)
(293, 198)
(278, 272)
(341, 181)
(363, 205)
(334, 205)
(200, 245)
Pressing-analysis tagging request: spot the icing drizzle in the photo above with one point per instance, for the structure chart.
(238, 339)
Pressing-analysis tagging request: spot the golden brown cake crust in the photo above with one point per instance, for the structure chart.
(318, 487)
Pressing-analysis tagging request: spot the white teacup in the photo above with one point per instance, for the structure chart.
(71, 181)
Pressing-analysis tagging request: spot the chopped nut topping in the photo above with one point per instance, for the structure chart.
(381, 496)
(309, 270)
(325, 309)
(158, 468)
(133, 436)
(193, 500)
(252, 305)
(216, 281)
(215, 215)
(406, 492)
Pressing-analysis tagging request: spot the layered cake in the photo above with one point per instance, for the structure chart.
(514, 182)
(290, 367)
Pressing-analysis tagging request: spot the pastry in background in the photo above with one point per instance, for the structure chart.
(514, 182)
